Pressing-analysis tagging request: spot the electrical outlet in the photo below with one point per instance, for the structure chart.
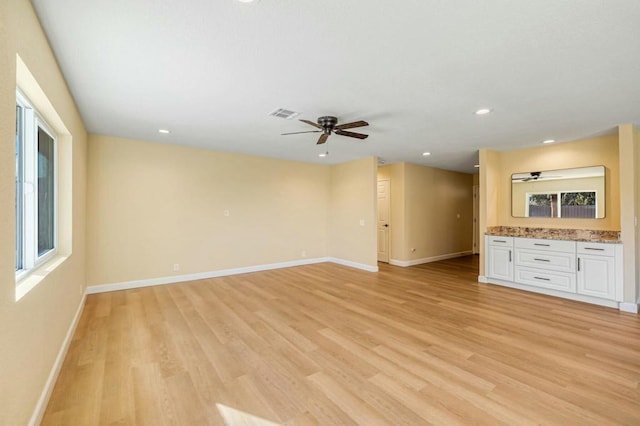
(303, 253)
(413, 250)
(176, 267)
(226, 212)
(361, 222)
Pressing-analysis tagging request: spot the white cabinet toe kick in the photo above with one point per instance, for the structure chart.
(583, 271)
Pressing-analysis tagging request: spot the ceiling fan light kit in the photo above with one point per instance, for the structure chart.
(329, 124)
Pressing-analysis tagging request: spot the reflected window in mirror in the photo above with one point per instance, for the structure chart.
(564, 193)
(580, 205)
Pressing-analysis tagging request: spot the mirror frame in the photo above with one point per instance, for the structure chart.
(598, 201)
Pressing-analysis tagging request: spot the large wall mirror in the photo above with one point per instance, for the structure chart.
(566, 193)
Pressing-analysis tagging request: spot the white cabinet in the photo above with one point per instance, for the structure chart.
(500, 259)
(597, 270)
(589, 272)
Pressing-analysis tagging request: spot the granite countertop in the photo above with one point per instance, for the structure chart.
(594, 236)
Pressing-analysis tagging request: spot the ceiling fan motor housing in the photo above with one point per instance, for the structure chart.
(328, 122)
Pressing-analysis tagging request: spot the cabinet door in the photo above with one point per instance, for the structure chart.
(501, 263)
(596, 276)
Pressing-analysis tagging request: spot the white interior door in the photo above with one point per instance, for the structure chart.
(384, 205)
(476, 213)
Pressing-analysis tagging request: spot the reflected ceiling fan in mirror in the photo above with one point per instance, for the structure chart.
(329, 124)
(524, 177)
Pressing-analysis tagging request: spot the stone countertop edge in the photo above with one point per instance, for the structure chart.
(562, 234)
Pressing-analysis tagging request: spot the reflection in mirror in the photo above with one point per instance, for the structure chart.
(563, 193)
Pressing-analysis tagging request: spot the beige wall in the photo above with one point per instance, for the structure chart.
(490, 193)
(32, 330)
(439, 214)
(636, 176)
(519, 191)
(152, 206)
(628, 208)
(583, 153)
(425, 204)
(353, 198)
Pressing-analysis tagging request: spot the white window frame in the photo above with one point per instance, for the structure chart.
(31, 122)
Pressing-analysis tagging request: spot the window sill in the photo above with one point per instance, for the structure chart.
(31, 279)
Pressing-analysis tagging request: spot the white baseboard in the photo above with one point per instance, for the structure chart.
(629, 307)
(41, 406)
(405, 263)
(353, 264)
(103, 288)
(483, 279)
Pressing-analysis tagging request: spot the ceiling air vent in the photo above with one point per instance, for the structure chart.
(284, 113)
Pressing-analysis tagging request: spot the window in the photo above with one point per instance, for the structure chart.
(574, 204)
(36, 178)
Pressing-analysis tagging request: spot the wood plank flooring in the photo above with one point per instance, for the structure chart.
(330, 345)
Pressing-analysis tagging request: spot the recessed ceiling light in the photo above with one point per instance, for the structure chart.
(549, 141)
(477, 166)
(426, 154)
(323, 154)
(163, 131)
(483, 111)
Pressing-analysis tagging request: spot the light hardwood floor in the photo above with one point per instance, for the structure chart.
(326, 344)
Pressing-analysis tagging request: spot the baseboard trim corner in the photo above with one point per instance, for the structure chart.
(628, 307)
(43, 401)
(356, 265)
(405, 263)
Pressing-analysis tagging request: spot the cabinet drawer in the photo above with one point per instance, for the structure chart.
(547, 279)
(495, 240)
(548, 260)
(597, 249)
(551, 245)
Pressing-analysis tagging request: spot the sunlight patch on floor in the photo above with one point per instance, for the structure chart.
(235, 417)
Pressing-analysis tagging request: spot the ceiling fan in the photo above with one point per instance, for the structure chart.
(329, 124)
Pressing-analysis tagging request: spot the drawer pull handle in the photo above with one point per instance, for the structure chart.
(541, 260)
(578, 264)
(543, 245)
(509, 255)
(594, 248)
(499, 241)
(543, 279)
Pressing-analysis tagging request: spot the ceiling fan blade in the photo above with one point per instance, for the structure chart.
(323, 139)
(295, 133)
(351, 134)
(351, 125)
(313, 124)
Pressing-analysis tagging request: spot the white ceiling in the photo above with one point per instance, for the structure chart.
(212, 70)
